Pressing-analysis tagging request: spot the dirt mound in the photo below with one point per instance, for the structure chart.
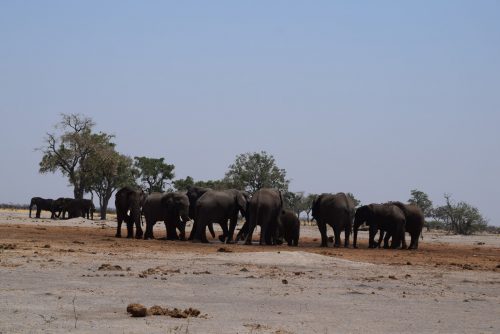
(137, 310)
(174, 313)
(107, 266)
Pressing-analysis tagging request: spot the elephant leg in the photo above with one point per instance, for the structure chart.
(149, 229)
(225, 232)
(181, 226)
(232, 227)
(119, 227)
(386, 239)
(413, 242)
(193, 230)
(248, 239)
(380, 239)
(38, 212)
(336, 232)
(138, 230)
(171, 230)
(324, 237)
(130, 226)
(347, 234)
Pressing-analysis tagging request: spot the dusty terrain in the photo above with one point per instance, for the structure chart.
(74, 276)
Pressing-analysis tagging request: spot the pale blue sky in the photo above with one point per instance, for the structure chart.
(371, 97)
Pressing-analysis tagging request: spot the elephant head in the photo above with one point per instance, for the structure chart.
(242, 200)
(176, 205)
(362, 215)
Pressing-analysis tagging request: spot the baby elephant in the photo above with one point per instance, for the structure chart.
(290, 225)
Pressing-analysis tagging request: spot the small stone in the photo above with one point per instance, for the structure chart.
(284, 281)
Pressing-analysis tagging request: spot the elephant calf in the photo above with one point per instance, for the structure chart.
(290, 226)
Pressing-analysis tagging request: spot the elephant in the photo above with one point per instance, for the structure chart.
(414, 222)
(88, 208)
(384, 217)
(45, 204)
(129, 199)
(166, 207)
(79, 208)
(219, 206)
(194, 193)
(289, 224)
(336, 210)
(60, 206)
(264, 209)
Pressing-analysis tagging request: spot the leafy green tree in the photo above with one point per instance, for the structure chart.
(108, 171)
(294, 201)
(356, 201)
(184, 184)
(68, 150)
(461, 217)
(253, 171)
(154, 174)
(421, 199)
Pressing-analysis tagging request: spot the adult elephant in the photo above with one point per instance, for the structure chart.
(194, 193)
(336, 210)
(219, 206)
(264, 209)
(387, 218)
(414, 222)
(166, 207)
(88, 208)
(289, 226)
(61, 206)
(45, 204)
(130, 200)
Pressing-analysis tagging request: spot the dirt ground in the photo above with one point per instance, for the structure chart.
(75, 276)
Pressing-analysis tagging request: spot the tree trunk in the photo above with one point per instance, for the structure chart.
(104, 207)
(78, 192)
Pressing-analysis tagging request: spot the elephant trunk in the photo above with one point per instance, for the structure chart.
(185, 218)
(355, 235)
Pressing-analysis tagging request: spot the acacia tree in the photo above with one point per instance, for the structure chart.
(109, 170)
(422, 200)
(461, 217)
(154, 173)
(69, 150)
(253, 171)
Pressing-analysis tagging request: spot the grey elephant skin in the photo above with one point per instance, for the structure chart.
(194, 193)
(219, 206)
(130, 200)
(264, 209)
(289, 224)
(61, 206)
(45, 204)
(386, 218)
(414, 222)
(166, 207)
(336, 210)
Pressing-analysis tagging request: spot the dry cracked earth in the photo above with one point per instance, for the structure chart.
(75, 276)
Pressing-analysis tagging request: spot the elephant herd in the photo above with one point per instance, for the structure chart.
(62, 206)
(204, 206)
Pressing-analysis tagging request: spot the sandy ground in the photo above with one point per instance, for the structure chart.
(74, 276)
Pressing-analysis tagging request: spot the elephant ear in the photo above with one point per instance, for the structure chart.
(242, 201)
